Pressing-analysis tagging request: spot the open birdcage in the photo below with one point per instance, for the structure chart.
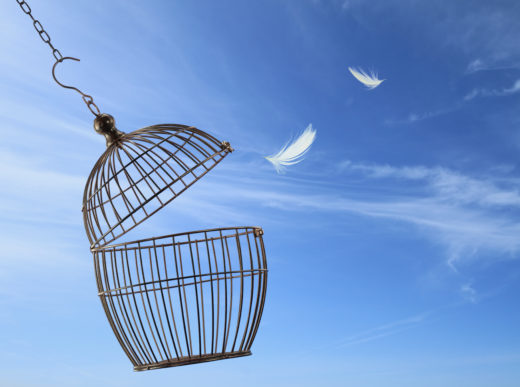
(178, 299)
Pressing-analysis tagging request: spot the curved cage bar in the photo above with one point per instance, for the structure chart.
(185, 298)
(143, 171)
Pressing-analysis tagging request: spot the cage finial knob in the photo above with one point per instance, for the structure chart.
(105, 124)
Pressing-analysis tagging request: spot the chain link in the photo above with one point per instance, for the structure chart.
(44, 36)
(38, 27)
(91, 105)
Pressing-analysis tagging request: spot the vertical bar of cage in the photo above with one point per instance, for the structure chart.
(262, 282)
(128, 139)
(137, 307)
(149, 352)
(201, 298)
(181, 163)
(126, 201)
(164, 162)
(157, 309)
(211, 281)
(159, 165)
(89, 216)
(119, 299)
(118, 218)
(186, 308)
(239, 250)
(190, 155)
(230, 277)
(139, 168)
(114, 318)
(252, 292)
(143, 282)
(99, 195)
(178, 147)
(160, 281)
(218, 293)
(224, 336)
(249, 340)
(171, 304)
(134, 327)
(196, 293)
(180, 297)
(133, 185)
(101, 288)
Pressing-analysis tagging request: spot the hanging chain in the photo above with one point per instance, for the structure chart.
(39, 28)
(89, 101)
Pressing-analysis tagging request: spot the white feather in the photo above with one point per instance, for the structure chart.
(293, 153)
(371, 81)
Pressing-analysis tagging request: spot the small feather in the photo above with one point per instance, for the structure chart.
(371, 81)
(293, 153)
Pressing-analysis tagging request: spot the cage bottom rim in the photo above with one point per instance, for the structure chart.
(191, 360)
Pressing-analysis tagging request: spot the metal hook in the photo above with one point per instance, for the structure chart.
(89, 101)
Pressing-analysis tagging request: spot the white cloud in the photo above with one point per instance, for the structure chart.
(385, 330)
(515, 88)
(33, 193)
(466, 215)
(469, 293)
(475, 65)
(415, 117)
(447, 185)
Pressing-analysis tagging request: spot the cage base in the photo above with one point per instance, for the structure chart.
(186, 360)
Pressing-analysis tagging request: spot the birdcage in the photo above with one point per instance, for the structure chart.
(179, 299)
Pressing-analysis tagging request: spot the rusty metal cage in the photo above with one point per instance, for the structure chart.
(179, 299)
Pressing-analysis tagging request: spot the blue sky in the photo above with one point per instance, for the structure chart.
(393, 248)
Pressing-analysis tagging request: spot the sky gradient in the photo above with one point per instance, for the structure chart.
(393, 248)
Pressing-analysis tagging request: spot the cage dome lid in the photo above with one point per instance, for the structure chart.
(141, 172)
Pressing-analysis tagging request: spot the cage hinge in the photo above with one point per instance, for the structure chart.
(224, 145)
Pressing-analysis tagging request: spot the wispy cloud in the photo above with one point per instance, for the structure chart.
(385, 330)
(515, 88)
(478, 64)
(34, 193)
(469, 293)
(475, 65)
(474, 93)
(420, 116)
(448, 185)
(487, 33)
(467, 215)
